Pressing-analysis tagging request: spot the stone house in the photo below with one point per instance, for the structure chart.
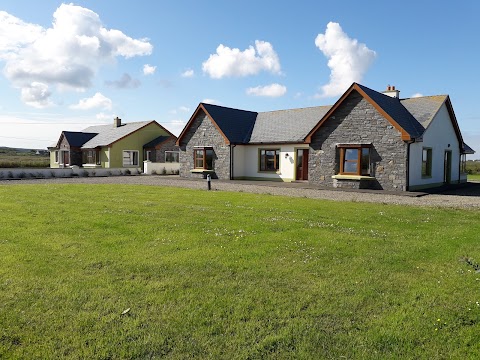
(367, 139)
(112, 146)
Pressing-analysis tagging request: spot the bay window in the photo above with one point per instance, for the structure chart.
(269, 159)
(203, 158)
(355, 160)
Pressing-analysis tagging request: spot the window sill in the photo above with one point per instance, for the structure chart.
(201, 171)
(352, 177)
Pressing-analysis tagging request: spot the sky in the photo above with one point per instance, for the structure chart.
(67, 66)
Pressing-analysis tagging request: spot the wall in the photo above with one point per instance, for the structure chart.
(203, 132)
(26, 173)
(247, 162)
(438, 135)
(168, 145)
(159, 168)
(357, 121)
(134, 141)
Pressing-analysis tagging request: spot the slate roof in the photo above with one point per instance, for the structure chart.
(108, 134)
(156, 141)
(235, 124)
(77, 139)
(467, 149)
(293, 126)
(394, 108)
(424, 108)
(287, 126)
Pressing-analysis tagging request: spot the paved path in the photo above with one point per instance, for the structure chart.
(467, 196)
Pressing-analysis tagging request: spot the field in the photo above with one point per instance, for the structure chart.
(126, 272)
(473, 177)
(23, 158)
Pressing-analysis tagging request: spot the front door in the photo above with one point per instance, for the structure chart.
(66, 158)
(302, 164)
(447, 167)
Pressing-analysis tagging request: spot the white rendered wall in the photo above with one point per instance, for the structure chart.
(439, 134)
(246, 162)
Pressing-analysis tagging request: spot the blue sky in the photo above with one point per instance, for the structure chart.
(68, 66)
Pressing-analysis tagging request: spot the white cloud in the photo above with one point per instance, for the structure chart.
(176, 126)
(229, 62)
(103, 117)
(68, 54)
(416, 95)
(96, 101)
(273, 90)
(36, 95)
(348, 59)
(125, 82)
(188, 73)
(149, 69)
(181, 109)
(211, 101)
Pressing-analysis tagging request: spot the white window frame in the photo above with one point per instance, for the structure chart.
(132, 162)
(56, 156)
(171, 151)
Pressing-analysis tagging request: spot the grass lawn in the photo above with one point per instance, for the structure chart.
(473, 177)
(123, 272)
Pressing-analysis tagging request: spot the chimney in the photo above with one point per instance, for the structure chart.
(117, 122)
(392, 92)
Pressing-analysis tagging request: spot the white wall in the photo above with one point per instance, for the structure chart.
(32, 173)
(246, 162)
(437, 136)
(149, 167)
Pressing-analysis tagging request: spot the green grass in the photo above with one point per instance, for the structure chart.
(473, 177)
(232, 276)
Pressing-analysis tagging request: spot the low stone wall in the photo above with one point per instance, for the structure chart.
(160, 168)
(39, 173)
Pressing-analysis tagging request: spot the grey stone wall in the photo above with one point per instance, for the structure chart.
(357, 121)
(202, 132)
(168, 145)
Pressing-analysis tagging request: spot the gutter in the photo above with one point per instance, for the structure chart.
(232, 146)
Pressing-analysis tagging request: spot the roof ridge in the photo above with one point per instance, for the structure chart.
(425, 96)
(292, 109)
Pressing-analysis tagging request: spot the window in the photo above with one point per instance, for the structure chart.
(130, 158)
(203, 158)
(172, 156)
(91, 156)
(355, 159)
(269, 159)
(56, 156)
(463, 163)
(427, 162)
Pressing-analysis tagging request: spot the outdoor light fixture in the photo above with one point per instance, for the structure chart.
(286, 156)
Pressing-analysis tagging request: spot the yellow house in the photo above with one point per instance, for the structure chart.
(106, 146)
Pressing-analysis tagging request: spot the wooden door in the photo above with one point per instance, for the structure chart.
(66, 158)
(302, 164)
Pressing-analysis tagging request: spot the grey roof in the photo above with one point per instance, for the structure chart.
(108, 134)
(286, 125)
(394, 108)
(235, 124)
(424, 108)
(156, 141)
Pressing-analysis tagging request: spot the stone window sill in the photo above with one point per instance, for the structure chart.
(202, 171)
(352, 177)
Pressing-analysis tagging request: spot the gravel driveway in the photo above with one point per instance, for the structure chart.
(467, 196)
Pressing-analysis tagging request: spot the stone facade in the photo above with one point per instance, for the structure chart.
(159, 150)
(75, 152)
(203, 132)
(357, 121)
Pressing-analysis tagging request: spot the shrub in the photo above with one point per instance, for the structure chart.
(164, 171)
(127, 172)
